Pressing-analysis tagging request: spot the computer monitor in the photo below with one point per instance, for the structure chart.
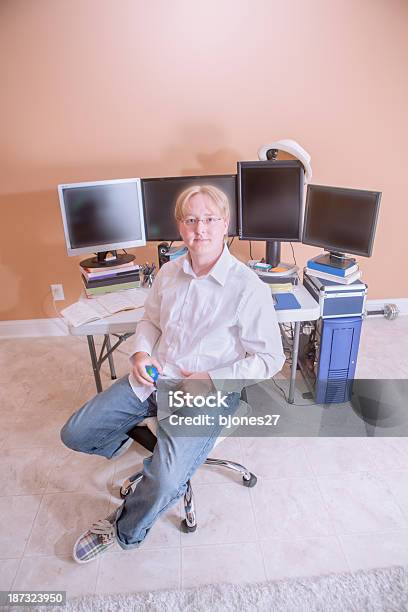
(102, 216)
(270, 197)
(160, 195)
(340, 221)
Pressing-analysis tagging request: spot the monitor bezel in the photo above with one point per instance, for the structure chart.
(175, 178)
(72, 251)
(334, 248)
(270, 164)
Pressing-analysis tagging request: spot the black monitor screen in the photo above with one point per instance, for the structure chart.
(102, 214)
(342, 220)
(160, 195)
(271, 200)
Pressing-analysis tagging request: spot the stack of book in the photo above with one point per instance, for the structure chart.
(279, 284)
(98, 281)
(344, 276)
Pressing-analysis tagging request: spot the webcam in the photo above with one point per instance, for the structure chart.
(270, 152)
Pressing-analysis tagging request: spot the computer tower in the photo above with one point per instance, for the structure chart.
(328, 352)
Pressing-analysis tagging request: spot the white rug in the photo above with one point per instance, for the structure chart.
(364, 591)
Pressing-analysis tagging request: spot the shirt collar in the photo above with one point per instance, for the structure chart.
(219, 271)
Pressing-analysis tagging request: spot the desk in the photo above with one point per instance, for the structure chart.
(122, 325)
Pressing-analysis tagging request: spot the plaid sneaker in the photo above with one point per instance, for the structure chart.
(95, 540)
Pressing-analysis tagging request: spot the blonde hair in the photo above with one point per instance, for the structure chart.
(217, 196)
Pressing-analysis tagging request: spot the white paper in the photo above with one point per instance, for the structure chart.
(81, 312)
(138, 296)
(102, 306)
(114, 302)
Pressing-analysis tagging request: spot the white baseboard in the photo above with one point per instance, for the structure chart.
(36, 328)
(33, 328)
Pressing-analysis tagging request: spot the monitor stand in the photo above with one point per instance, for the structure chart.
(272, 257)
(101, 261)
(335, 260)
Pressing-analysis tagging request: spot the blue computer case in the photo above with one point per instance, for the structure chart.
(328, 352)
(337, 359)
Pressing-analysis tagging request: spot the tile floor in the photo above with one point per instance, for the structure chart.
(321, 504)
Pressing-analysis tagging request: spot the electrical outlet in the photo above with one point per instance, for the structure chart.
(57, 292)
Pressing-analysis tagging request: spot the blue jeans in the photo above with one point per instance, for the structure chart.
(100, 427)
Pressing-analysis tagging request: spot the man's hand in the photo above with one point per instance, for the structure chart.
(140, 360)
(197, 383)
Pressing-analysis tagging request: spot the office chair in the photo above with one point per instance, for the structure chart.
(145, 434)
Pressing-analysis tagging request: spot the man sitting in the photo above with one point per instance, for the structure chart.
(208, 317)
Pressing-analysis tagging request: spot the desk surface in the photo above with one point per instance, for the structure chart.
(126, 321)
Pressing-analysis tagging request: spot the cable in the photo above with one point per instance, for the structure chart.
(57, 312)
(230, 242)
(250, 251)
(280, 389)
(288, 330)
(293, 253)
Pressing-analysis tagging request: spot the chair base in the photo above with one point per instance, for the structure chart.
(189, 524)
(185, 528)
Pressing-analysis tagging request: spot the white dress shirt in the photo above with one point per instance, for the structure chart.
(223, 323)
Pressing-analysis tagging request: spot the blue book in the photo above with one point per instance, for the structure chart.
(313, 265)
(285, 301)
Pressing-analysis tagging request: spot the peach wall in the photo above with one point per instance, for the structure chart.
(98, 89)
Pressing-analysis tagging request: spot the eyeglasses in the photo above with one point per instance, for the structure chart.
(190, 221)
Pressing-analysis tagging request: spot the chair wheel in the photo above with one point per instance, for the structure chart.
(187, 528)
(124, 492)
(251, 482)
